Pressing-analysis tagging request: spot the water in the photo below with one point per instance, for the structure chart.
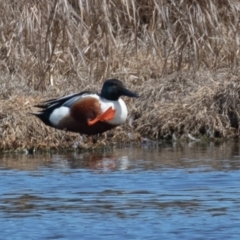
(170, 192)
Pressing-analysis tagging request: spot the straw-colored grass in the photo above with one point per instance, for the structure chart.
(181, 56)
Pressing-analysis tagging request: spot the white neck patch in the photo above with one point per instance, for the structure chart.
(119, 106)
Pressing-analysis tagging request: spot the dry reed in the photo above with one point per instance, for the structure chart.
(181, 56)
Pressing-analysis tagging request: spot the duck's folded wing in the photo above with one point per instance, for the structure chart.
(57, 102)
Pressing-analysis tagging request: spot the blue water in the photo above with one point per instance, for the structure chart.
(169, 192)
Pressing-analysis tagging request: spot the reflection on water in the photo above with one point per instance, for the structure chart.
(169, 192)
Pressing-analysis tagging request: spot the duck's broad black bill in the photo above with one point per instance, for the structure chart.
(128, 93)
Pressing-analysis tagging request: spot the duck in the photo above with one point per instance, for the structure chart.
(87, 112)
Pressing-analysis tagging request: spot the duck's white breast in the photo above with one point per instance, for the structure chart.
(120, 107)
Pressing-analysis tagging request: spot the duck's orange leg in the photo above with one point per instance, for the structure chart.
(106, 116)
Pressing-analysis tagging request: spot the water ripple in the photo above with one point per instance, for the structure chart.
(173, 192)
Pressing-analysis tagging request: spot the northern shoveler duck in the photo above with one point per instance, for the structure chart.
(88, 112)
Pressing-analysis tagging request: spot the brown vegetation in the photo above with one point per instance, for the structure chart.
(181, 56)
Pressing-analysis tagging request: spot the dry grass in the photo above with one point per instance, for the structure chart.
(182, 56)
(208, 106)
